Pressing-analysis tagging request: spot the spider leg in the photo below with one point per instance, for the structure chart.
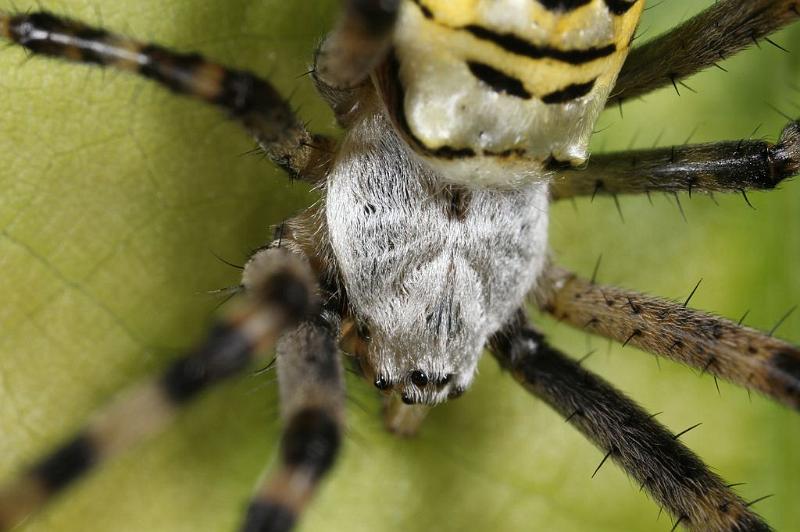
(731, 166)
(674, 476)
(739, 354)
(720, 31)
(253, 102)
(357, 45)
(312, 406)
(280, 293)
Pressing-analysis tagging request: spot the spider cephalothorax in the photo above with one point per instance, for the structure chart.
(463, 120)
(430, 275)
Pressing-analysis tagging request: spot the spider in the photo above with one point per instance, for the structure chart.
(633, 309)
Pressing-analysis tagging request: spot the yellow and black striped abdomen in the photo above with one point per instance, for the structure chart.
(495, 90)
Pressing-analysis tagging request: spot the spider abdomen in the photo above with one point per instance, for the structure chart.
(495, 91)
(431, 269)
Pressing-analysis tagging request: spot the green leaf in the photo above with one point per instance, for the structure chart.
(116, 195)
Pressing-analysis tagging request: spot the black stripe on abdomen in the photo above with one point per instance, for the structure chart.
(518, 46)
(569, 93)
(563, 5)
(498, 81)
(620, 7)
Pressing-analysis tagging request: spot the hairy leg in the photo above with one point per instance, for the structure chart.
(312, 404)
(357, 45)
(253, 102)
(675, 477)
(708, 343)
(715, 34)
(718, 167)
(280, 292)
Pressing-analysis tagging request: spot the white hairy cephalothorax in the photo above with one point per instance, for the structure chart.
(430, 284)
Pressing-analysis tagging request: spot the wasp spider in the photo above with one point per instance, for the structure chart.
(463, 121)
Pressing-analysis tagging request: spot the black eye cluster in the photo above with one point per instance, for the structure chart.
(420, 379)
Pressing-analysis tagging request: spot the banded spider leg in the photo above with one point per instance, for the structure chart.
(280, 291)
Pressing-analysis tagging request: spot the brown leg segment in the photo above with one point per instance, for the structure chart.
(312, 404)
(253, 102)
(280, 294)
(702, 41)
(735, 166)
(708, 343)
(674, 476)
(359, 42)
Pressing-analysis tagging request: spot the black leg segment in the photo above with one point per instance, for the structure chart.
(674, 476)
(311, 386)
(717, 33)
(711, 344)
(281, 294)
(731, 166)
(251, 101)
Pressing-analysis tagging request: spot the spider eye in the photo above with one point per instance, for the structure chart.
(445, 380)
(407, 399)
(456, 392)
(419, 378)
(382, 383)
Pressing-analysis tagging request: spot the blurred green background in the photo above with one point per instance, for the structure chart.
(116, 195)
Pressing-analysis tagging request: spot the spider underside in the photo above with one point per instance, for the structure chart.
(455, 262)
